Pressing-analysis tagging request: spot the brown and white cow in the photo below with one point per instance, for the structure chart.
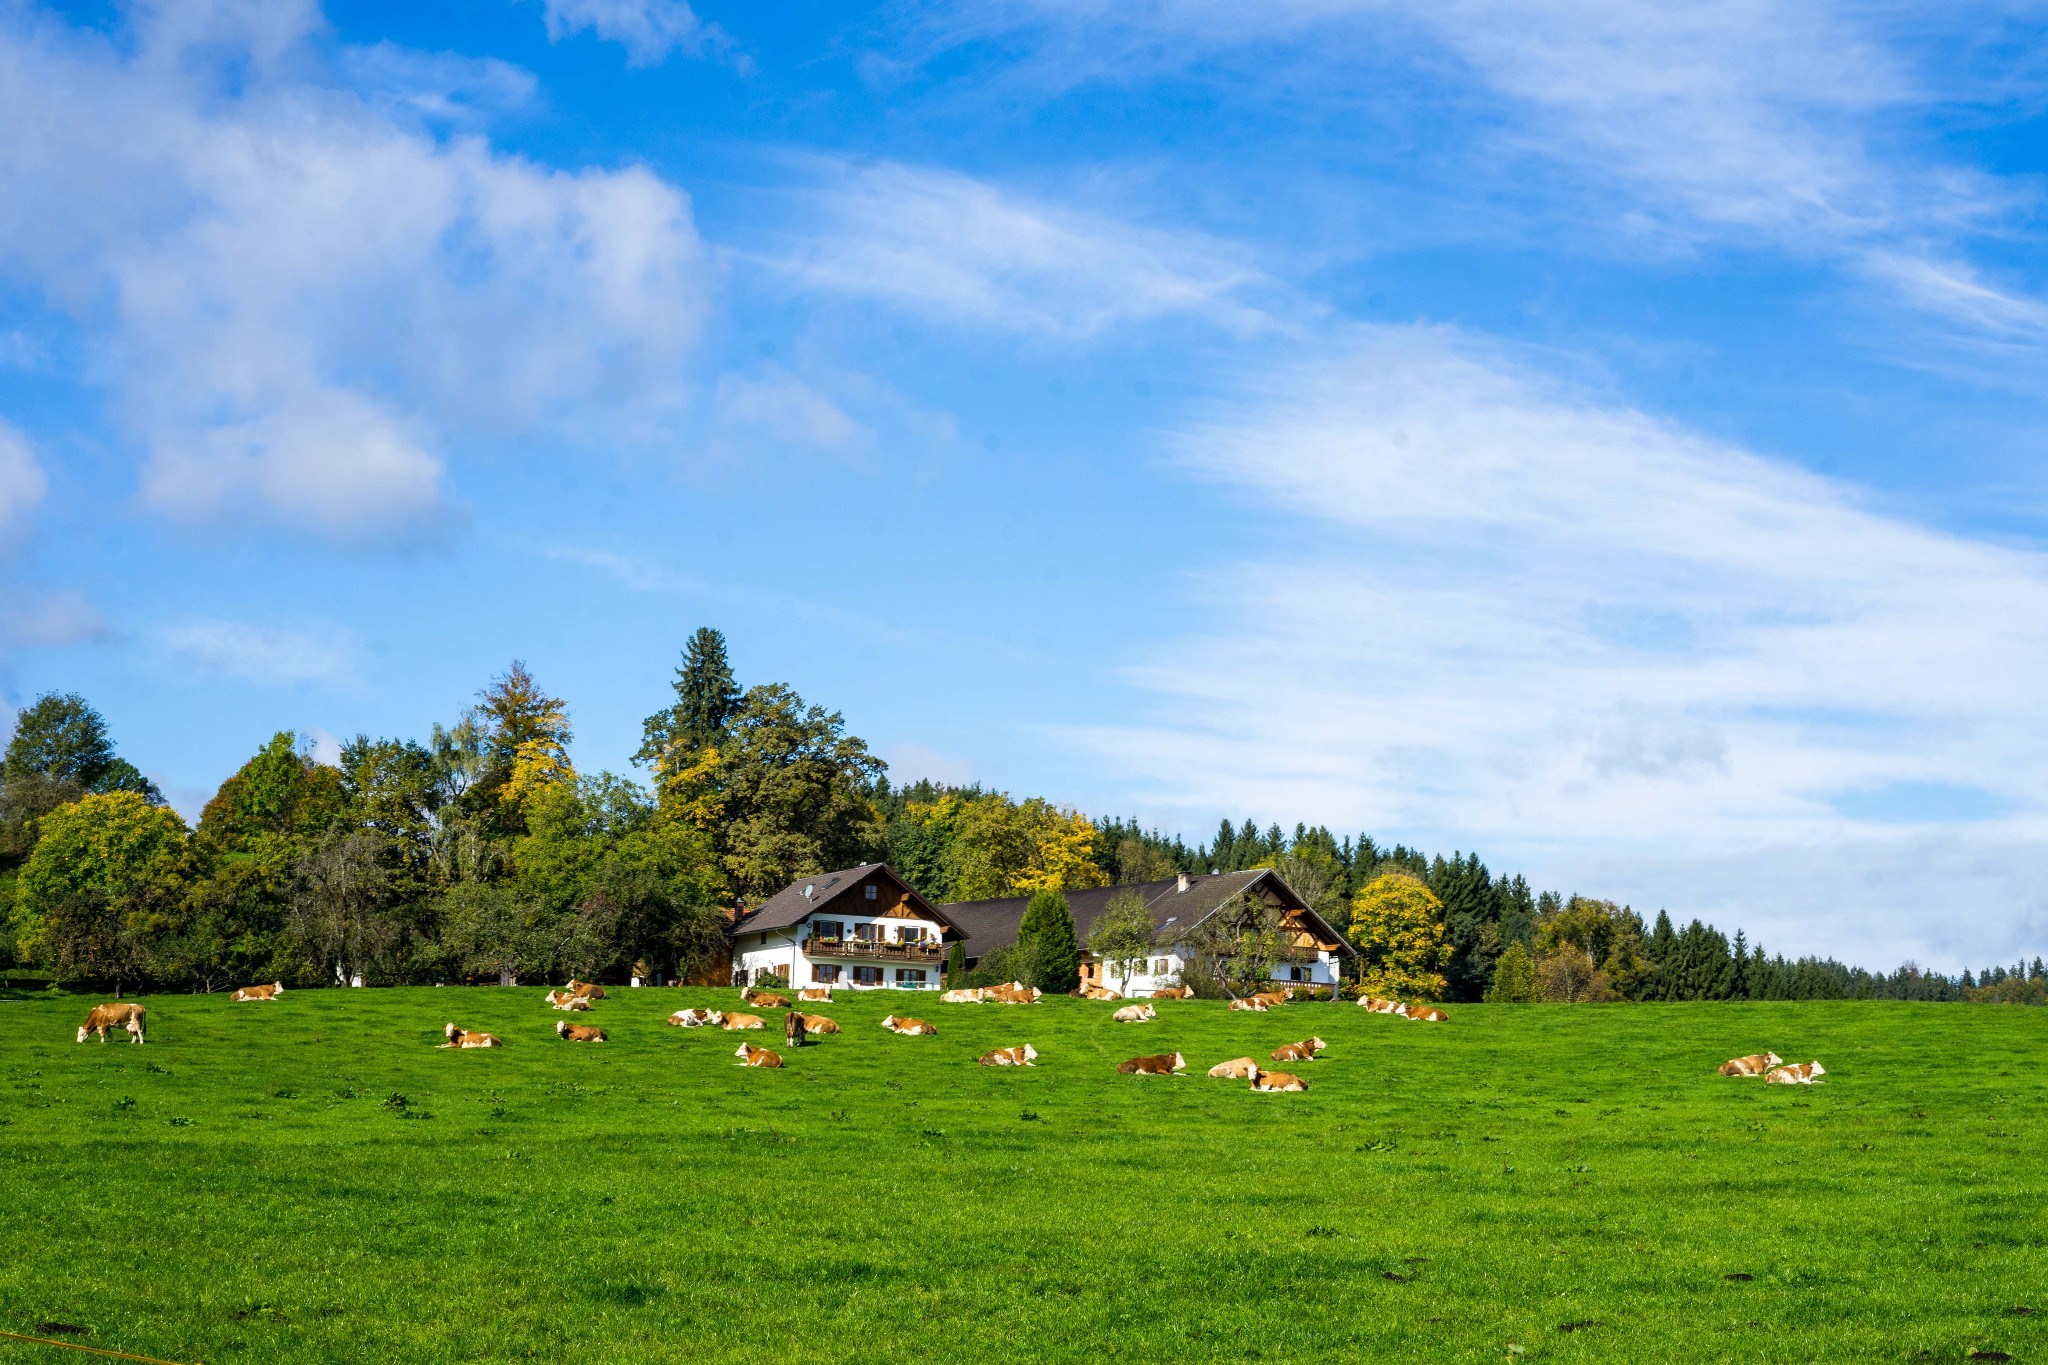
(1134, 1014)
(818, 1023)
(1236, 1069)
(1276, 998)
(696, 1018)
(1098, 993)
(1174, 993)
(1801, 1073)
(750, 1055)
(1026, 1055)
(1251, 1002)
(586, 989)
(573, 1004)
(459, 1037)
(1425, 1014)
(121, 1014)
(258, 992)
(731, 1020)
(1014, 993)
(579, 1033)
(1755, 1064)
(1165, 1064)
(1303, 1051)
(907, 1026)
(793, 1029)
(1379, 1006)
(1278, 1080)
(966, 995)
(815, 993)
(767, 1000)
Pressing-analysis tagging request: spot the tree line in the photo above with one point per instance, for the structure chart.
(480, 853)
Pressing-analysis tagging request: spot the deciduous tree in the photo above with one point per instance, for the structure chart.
(1121, 937)
(103, 886)
(1397, 926)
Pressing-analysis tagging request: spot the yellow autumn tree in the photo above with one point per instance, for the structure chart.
(1397, 924)
(999, 847)
(528, 735)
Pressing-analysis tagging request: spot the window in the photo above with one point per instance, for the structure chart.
(911, 933)
(867, 976)
(828, 929)
(868, 933)
(1294, 974)
(1161, 966)
(872, 892)
(825, 974)
(910, 978)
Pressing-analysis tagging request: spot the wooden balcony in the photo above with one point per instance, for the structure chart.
(869, 950)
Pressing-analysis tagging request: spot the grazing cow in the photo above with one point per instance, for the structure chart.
(1134, 1014)
(1251, 1002)
(907, 1026)
(1303, 1051)
(793, 1029)
(1278, 1080)
(1165, 1064)
(578, 1033)
(461, 1037)
(730, 1021)
(1174, 993)
(1755, 1064)
(586, 989)
(1236, 1069)
(813, 993)
(1026, 1055)
(966, 995)
(1425, 1014)
(123, 1015)
(750, 1055)
(1097, 993)
(767, 1000)
(696, 1018)
(258, 992)
(818, 1023)
(1379, 1006)
(1801, 1073)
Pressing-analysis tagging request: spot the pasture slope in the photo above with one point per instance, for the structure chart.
(312, 1180)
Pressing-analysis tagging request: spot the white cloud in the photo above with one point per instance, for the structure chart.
(297, 291)
(949, 245)
(649, 30)
(242, 652)
(22, 482)
(786, 410)
(29, 617)
(1497, 610)
(326, 748)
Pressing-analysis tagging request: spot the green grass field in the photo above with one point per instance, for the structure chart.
(1524, 1182)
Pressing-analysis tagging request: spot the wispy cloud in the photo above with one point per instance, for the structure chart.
(649, 30)
(964, 250)
(244, 652)
(298, 290)
(1498, 609)
(22, 482)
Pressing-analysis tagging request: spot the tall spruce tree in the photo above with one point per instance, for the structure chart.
(1046, 939)
(707, 696)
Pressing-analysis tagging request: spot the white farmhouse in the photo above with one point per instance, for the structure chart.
(861, 928)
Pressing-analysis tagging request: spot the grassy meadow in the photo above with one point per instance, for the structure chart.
(312, 1180)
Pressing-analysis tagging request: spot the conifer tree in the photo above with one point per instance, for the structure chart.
(1046, 939)
(1514, 977)
(956, 966)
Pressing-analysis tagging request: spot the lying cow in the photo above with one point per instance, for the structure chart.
(1379, 1006)
(907, 1026)
(586, 989)
(1097, 993)
(696, 1018)
(1236, 1069)
(258, 992)
(1174, 993)
(730, 1020)
(1165, 1064)
(1424, 1014)
(767, 1000)
(578, 1033)
(750, 1055)
(1026, 1055)
(1277, 1080)
(574, 1004)
(1135, 1014)
(1303, 1051)
(818, 1023)
(459, 1037)
(1755, 1064)
(122, 1015)
(1251, 1002)
(966, 995)
(1015, 993)
(815, 993)
(1275, 998)
(1802, 1073)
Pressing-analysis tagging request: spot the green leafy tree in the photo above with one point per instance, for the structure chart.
(1397, 926)
(1121, 937)
(102, 888)
(60, 751)
(502, 931)
(706, 699)
(1046, 935)
(1514, 977)
(792, 793)
(343, 917)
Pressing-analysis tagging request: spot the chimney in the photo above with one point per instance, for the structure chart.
(1183, 883)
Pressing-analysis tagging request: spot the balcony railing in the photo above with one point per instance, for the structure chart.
(869, 950)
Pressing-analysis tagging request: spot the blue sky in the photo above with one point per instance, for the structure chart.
(1604, 436)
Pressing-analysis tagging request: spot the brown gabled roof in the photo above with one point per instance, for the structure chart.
(993, 924)
(791, 904)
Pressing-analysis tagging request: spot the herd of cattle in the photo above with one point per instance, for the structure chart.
(799, 1025)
